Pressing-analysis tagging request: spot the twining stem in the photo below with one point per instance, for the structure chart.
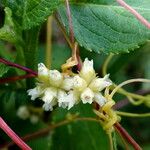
(49, 42)
(70, 22)
(63, 31)
(13, 135)
(126, 136)
(123, 141)
(127, 82)
(125, 101)
(111, 141)
(45, 131)
(16, 78)
(126, 114)
(6, 62)
(135, 13)
(105, 65)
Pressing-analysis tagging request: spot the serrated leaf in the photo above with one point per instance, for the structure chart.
(29, 13)
(77, 135)
(108, 28)
(37, 11)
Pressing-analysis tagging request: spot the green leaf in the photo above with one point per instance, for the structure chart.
(77, 135)
(37, 11)
(29, 13)
(108, 28)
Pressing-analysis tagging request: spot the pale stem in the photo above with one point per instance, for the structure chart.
(127, 82)
(49, 42)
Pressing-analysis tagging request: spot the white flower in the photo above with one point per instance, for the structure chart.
(49, 98)
(87, 71)
(23, 112)
(66, 100)
(100, 99)
(42, 72)
(34, 119)
(98, 84)
(87, 96)
(49, 94)
(79, 84)
(67, 83)
(35, 92)
(55, 78)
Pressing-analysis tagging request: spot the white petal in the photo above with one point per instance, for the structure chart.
(66, 100)
(98, 84)
(42, 72)
(67, 83)
(49, 94)
(87, 71)
(55, 77)
(48, 106)
(23, 112)
(79, 84)
(87, 96)
(35, 92)
(100, 99)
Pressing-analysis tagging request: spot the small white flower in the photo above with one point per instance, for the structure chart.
(23, 112)
(100, 99)
(49, 98)
(55, 78)
(87, 71)
(35, 92)
(42, 72)
(34, 119)
(47, 107)
(66, 100)
(87, 96)
(98, 84)
(79, 83)
(67, 83)
(49, 94)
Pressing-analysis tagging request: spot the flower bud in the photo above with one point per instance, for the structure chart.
(42, 72)
(100, 99)
(23, 112)
(79, 84)
(98, 84)
(34, 119)
(55, 78)
(87, 71)
(87, 96)
(67, 83)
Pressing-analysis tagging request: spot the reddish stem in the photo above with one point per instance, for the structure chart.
(13, 79)
(13, 135)
(135, 13)
(126, 136)
(70, 22)
(6, 62)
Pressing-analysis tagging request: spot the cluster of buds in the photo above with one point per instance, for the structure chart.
(24, 114)
(55, 88)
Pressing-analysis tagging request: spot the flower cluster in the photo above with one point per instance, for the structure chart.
(55, 88)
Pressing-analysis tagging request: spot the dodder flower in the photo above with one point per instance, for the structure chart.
(55, 88)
